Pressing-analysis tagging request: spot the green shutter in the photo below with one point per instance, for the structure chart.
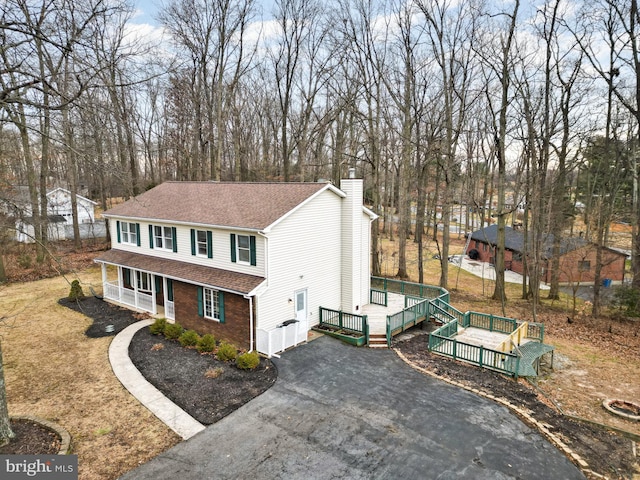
(233, 247)
(174, 235)
(252, 251)
(200, 302)
(209, 244)
(169, 289)
(127, 276)
(118, 229)
(150, 236)
(158, 281)
(193, 242)
(221, 306)
(138, 232)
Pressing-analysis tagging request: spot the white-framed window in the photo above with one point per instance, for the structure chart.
(202, 246)
(129, 233)
(143, 280)
(211, 305)
(244, 249)
(163, 237)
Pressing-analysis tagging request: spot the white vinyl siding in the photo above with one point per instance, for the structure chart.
(294, 265)
(220, 242)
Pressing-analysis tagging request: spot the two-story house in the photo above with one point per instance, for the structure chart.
(238, 259)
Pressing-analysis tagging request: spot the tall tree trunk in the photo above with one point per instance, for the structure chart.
(6, 434)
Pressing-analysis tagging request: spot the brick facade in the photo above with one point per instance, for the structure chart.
(235, 329)
(576, 266)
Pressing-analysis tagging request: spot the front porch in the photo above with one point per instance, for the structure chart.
(140, 290)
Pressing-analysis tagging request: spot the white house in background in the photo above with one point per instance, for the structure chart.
(59, 203)
(59, 210)
(240, 259)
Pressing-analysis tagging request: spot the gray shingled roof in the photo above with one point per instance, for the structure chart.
(240, 205)
(215, 277)
(514, 240)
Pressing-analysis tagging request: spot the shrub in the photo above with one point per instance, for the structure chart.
(157, 327)
(206, 344)
(173, 331)
(226, 352)
(24, 260)
(76, 293)
(189, 338)
(627, 299)
(248, 361)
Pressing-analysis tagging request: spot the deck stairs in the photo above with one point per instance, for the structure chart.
(378, 340)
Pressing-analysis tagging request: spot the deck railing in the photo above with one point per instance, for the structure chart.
(409, 288)
(409, 317)
(344, 321)
(378, 297)
(508, 363)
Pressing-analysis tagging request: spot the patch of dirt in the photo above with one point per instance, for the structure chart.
(31, 439)
(103, 314)
(186, 377)
(607, 453)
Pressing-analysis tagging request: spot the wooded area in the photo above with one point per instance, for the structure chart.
(511, 113)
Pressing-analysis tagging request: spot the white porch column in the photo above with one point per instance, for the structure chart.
(154, 306)
(120, 283)
(135, 286)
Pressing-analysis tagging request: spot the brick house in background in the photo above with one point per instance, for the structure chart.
(241, 260)
(577, 256)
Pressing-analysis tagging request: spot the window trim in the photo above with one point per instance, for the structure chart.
(162, 235)
(216, 297)
(140, 283)
(125, 235)
(196, 243)
(235, 250)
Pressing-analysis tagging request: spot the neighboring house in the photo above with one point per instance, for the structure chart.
(240, 259)
(60, 216)
(577, 256)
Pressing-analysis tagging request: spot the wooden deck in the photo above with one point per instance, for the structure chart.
(480, 337)
(377, 314)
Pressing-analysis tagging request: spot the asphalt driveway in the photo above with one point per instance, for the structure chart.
(343, 412)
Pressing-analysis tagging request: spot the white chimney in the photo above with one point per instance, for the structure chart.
(355, 261)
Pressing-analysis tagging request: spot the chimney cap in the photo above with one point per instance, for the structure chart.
(352, 173)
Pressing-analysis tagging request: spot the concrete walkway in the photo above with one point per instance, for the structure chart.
(338, 411)
(173, 416)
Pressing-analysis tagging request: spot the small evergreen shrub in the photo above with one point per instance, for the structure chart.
(173, 331)
(189, 338)
(627, 300)
(157, 327)
(76, 293)
(226, 352)
(248, 361)
(24, 260)
(206, 344)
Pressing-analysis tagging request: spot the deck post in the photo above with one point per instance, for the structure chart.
(481, 355)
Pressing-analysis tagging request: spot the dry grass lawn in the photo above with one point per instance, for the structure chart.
(54, 371)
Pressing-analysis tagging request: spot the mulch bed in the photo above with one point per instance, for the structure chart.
(31, 439)
(185, 376)
(176, 371)
(607, 453)
(103, 314)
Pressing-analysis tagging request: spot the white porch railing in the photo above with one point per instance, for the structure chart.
(113, 291)
(280, 338)
(169, 310)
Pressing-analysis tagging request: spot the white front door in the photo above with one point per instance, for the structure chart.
(301, 305)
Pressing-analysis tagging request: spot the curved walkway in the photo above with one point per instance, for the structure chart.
(343, 412)
(173, 416)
